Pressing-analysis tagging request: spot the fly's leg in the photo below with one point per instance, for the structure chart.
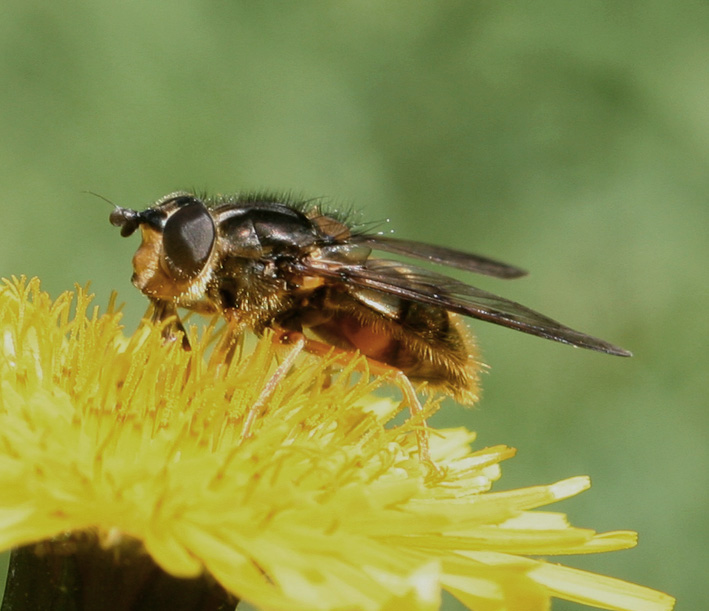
(378, 368)
(230, 344)
(407, 388)
(160, 311)
(257, 407)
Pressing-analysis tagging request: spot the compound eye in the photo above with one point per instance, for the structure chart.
(188, 237)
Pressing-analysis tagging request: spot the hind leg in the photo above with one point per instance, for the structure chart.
(398, 377)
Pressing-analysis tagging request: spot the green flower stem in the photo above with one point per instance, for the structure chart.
(77, 574)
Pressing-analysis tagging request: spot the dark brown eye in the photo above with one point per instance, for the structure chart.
(188, 237)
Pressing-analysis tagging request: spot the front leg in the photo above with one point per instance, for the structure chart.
(161, 311)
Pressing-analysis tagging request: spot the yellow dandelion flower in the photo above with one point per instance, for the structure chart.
(129, 452)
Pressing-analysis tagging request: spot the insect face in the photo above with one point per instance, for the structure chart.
(178, 239)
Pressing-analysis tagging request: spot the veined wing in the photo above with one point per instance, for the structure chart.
(423, 286)
(440, 255)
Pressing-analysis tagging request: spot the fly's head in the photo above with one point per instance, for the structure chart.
(174, 260)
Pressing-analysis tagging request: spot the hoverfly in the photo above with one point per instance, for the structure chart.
(269, 262)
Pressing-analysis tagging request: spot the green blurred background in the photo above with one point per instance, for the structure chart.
(568, 138)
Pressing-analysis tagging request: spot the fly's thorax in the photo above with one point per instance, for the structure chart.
(263, 229)
(251, 291)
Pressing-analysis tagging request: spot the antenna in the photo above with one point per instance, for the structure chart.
(103, 198)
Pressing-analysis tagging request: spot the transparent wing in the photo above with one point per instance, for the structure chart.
(423, 286)
(440, 255)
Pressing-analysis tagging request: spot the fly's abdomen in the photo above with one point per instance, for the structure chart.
(425, 342)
